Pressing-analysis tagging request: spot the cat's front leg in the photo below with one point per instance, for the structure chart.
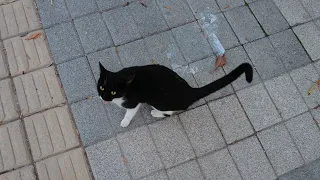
(129, 115)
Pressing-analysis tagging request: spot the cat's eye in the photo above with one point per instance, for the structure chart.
(113, 93)
(101, 88)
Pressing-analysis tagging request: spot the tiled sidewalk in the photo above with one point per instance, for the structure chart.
(268, 129)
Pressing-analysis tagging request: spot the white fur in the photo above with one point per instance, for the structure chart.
(118, 101)
(159, 114)
(129, 115)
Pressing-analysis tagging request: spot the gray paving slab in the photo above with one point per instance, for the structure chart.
(251, 159)
(280, 149)
(108, 58)
(286, 96)
(293, 11)
(160, 175)
(92, 121)
(122, 26)
(164, 50)
(187, 171)
(77, 79)
(202, 130)
(231, 119)
(289, 49)
(93, 33)
(110, 4)
(313, 7)
(149, 19)
(219, 165)
(81, 7)
(176, 12)
(171, 141)
(203, 6)
(244, 24)
(309, 171)
(107, 154)
(138, 148)
(306, 135)
(264, 58)
(204, 75)
(64, 42)
(317, 22)
(269, 16)
(316, 115)
(305, 78)
(134, 54)
(309, 35)
(251, 1)
(259, 107)
(237, 56)
(53, 14)
(192, 42)
(229, 4)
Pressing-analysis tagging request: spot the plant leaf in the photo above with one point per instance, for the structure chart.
(34, 36)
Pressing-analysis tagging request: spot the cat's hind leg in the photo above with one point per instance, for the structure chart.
(129, 115)
(160, 114)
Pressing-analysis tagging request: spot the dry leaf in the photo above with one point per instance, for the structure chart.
(153, 61)
(227, 7)
(89, 97)
(221, 61)
(34, 36)
(167, 7)
(126, 4)
(312, 87)
(124, 160)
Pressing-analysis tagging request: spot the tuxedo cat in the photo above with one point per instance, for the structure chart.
(157, 86)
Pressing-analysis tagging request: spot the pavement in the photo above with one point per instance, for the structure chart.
(53, 125)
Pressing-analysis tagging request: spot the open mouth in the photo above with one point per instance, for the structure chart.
(104, 102)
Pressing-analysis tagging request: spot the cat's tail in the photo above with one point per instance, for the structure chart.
(224, 81)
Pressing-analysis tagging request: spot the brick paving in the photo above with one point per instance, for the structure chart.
(53, 125)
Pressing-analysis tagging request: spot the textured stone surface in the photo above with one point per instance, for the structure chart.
(13, 146)
(80, 7)
(219, 165)
(161, 175)
(202, 130)
(69, 165)
(50, 132)
(27, 55)
(38, 90)
(110, 4)
(231, 118)
(313, 7)
(229, 4)
(8, 107)
(4, 70)
(186, 171)
(259, 107)
(138, 148)
(251, 159)
(201, 6)
(25, 173)
(107, 154)
(289, 103)
(280, 149)
(171, 141)
(309, 171)
(18, 17)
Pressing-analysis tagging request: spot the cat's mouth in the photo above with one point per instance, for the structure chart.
(104, 102)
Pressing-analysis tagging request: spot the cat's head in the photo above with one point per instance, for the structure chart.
(112, 85)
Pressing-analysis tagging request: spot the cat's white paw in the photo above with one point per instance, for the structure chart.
(156, 113)
(124, 123)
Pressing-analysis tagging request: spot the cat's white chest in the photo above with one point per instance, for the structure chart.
(118, 101)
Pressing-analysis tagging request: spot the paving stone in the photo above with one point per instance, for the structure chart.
(171, 141)
(293, 11)
(192, 42)
(92, 121)
(309, 35)
(4, 72)
(77, 79)
(203, 6)
(309, 171)
(202, 130)
(8, 106)
(53, 14)
(69, 165)
(110, 4)
(305, 78)
(264, 58)
(50, 132)
(251, 159)
(259, 107)
(13, 146)
(138, 148)
(121, 25)
(189, 170)
(27, 55)
(244, 24)
(64, 43)
(17, 18)
(161, 175)
(164, 50)
(25, 173)
(93, 33)
(149, 19)
(269, 16)
(237, 56)
(219, 165)
(289, 103)
(38, 90)
(280, 149)
(176, 13)
(231, 118)
(306, 135)
(229, 4)
(250, 1)
(313, 7)
(134, 54)
(107, 154)
(316, 115)
(81, 7)
(108, 58)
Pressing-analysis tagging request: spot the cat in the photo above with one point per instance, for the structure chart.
(159, 87)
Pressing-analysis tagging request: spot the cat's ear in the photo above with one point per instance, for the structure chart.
(131, 78)
(102, 69)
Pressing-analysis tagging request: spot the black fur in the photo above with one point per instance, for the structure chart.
(159, 86)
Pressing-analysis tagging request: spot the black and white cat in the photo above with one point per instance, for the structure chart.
(159, 87)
